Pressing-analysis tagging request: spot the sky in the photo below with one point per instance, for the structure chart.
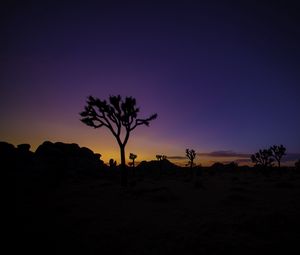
(223, 76)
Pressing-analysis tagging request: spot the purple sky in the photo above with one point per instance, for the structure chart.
(222, 77)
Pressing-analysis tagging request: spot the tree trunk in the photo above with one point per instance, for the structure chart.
(124, 174)
(133, 169)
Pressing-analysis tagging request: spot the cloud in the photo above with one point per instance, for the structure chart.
(242, 161)
(225, 154)
(228, 156)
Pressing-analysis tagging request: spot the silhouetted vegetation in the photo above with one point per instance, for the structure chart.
(132, 157)
(120, 117)
(263, 158)
(266, 157)
(161, 159)
(65, 193)
(278, 152)
(112, 163)
(190, 154)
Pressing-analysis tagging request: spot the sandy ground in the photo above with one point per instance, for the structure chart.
(236, 213)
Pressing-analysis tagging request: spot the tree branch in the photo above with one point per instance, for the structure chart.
(139, 122)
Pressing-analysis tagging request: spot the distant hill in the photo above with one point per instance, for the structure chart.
(155, 164)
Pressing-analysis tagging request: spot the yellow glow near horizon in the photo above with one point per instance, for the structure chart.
(109, 149)
(146, 145)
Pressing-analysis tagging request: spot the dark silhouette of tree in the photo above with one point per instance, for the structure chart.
(278, 152)
(263, 158)
(191, 154)
(117, 115)
(132, 157)
(112, 163)
(161, 159)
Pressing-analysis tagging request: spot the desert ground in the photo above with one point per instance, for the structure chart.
(237, 212)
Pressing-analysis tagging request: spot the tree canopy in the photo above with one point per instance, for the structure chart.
(119, 116)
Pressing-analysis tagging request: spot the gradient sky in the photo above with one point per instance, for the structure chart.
(223, 78)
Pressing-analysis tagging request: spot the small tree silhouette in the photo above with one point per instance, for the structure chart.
(119, 116)
(263, 158)
(278, 152)
(191, 154)
(132, 157)
(112, 163)
(161, 157)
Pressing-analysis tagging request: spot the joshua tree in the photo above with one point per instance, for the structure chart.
(191, 154)
(278, 152)
(119, 116)
(161, 157)
(132, 157)
(112, 163)
(263, 158)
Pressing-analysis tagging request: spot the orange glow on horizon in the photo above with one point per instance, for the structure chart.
(143, 154)
(146, 145)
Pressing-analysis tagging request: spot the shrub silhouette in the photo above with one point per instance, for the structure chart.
(263, 158)
(266, 157)
(112, 163)
(191, 154)
(278, 152)
(160, 158)
(119, 116)
(132, 157)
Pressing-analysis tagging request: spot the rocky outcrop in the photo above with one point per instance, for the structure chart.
(68, 158)
(51, 161)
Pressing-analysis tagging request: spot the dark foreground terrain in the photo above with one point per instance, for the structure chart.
(238, 212)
